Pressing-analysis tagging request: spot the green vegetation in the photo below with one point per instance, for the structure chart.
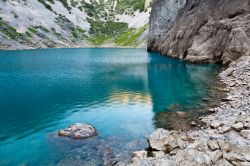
(103, 30)
(32, 29)
(103, 24)
(65, 4)
(42, 28)
(45, 4)
(99, 39)
(28, 34)
(78, 33)
(123, 5)
(108, 9)
(11, 31)
(97, 10)
(73, 3)
(110, 28)
(130, 36)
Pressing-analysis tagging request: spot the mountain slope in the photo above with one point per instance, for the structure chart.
(73, 23)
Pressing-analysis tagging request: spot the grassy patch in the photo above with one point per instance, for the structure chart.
(99, 39)
(32, 29)
(130, 36)
(9, 31)
(109, 27)
(28, 34)
(135, 5)
(78, 33)
(100, 31)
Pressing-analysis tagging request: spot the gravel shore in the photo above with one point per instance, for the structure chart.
(225, 139)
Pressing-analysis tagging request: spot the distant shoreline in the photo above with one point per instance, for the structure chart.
(88, 47)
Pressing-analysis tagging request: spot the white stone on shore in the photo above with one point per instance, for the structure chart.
(138, 155)
(157, 139)
(215, 156)
(216, 125)
(245, 134)
(213, 145)
(238, 126)
(233, 157)
(158, 154)
(223, 162)
(193, 123)
(224, 129)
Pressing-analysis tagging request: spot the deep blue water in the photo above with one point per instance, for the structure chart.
(119, 91)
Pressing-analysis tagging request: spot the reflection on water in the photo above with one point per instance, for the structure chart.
(124, 93)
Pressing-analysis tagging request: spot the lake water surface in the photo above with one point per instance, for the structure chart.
(119, 91)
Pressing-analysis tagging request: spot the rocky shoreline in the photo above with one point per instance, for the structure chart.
(225, 137)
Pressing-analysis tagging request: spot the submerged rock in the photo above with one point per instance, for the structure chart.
(78, 131)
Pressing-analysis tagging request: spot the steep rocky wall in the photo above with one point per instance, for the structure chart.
(161, 19)
(204, 31)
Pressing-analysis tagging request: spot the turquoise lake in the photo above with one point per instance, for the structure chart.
(119, 91)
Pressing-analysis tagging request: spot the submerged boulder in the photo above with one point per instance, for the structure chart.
(78, 131)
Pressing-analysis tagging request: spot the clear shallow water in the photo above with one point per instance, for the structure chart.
(119, 91)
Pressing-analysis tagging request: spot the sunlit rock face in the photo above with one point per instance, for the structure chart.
(203, 30)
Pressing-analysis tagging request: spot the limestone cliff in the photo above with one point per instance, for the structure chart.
(201, 30)
(162, 17)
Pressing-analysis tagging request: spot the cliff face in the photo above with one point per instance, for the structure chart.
(201, 30)
(162, 17)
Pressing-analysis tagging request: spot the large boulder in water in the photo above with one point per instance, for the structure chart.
(79, 131)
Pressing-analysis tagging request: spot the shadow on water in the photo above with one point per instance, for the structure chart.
(181, 84)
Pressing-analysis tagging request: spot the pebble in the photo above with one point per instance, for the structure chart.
(224, 129)
(238, 126)
(193, 123)
(245, 134)
(213, 145)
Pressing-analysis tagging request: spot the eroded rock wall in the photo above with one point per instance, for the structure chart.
(216, 31)
(162, 18)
